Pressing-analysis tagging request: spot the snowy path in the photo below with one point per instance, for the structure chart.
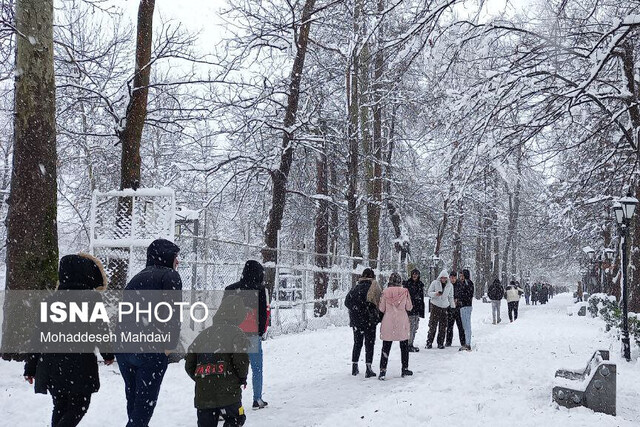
(505, 381)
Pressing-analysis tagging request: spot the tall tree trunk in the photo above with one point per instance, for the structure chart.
(32, 234)
(481, 278)
(353, 101)
(375, 156)
(401, 243)
(130, 136)
(321, 278)
(280, 176)
(457, 243)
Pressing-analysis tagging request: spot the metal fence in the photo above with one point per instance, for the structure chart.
(213, 264)
(120, 241)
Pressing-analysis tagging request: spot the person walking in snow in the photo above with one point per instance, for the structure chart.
(465, 297)
(143, 372)
(544, 294)
(362, 301)
(580, 292)
(416, 290)
(527, 292)
(441, 294)
(71, 378)
(394, 304)
(453, 314)
(219, 376)
(255, 323)
(535, 294)
(496, 293)
(512, 294)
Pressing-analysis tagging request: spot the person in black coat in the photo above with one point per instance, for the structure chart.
(71, 378)
(363, 301)
(251, 286)
(453, 314)
(143, 372)
(495, 293)
(416, 292)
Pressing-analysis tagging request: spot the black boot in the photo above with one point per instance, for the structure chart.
(369, 372)
(354, 369)
(382, 376)
(406, 373)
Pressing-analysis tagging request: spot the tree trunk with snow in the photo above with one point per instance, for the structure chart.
(321, 278)
(130, 136)
(32, 234)
(280, 176)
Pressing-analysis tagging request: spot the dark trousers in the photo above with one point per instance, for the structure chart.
(142, 374)
(513, 310)
(453, 317)
(437, 320)
(366, 336)
(233, 416)
(404, 354)
(68, 408)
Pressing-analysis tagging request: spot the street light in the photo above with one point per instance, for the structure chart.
(590, 255)
(624, 210)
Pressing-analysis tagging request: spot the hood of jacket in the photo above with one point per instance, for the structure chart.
(162, 253)
(253, 273)
(81, 272)
(232, 311)
(395, 295)
(444, 274)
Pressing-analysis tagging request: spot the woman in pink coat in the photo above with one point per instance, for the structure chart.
(394, 303)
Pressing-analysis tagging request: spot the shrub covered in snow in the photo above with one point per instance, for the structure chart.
(606, 307)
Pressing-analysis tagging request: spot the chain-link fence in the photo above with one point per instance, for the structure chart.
(212, 264)
(125, 222)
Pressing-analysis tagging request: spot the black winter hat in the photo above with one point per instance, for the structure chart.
(253, 272)
(162, 252)
(466, 274)
(368, 273)
(415, 271)
(81, 272)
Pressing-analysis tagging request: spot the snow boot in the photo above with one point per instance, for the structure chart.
(406, 373)
(354, 369)
(428, 346)
(382, 376)
(413, 349)
(369, 372)
(259, 404)
(441, 347)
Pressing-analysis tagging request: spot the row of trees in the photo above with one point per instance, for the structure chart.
(387, 129)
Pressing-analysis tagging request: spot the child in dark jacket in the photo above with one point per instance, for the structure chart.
(70, 378)
(220, 375)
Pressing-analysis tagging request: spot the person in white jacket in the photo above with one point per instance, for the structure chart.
(512, 294)
(441, 293)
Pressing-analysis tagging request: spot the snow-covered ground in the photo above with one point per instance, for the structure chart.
(505, 381)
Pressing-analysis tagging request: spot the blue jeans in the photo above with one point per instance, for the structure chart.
(255, 358)
(465, 314)
(142, 374)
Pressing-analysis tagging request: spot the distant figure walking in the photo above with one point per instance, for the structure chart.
(527, 292)
(496, 293)
(512, 294)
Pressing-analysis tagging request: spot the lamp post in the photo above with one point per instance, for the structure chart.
(435, 259)
(624, 210)
(588, 285)
(606, 256)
